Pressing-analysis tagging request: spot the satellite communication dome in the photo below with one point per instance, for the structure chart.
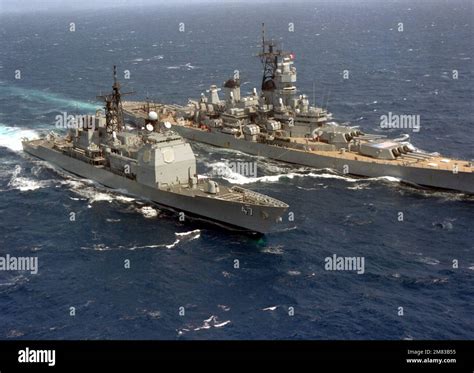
(149, 127)
(167, 125)
(152, 115)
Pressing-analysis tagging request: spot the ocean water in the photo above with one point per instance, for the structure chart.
(281, 289)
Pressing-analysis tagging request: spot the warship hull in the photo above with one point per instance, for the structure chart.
(264, 219)
(425, 177)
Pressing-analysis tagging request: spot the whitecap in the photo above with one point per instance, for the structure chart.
(148, 212)
(222, 324)
(154, 314)
(294, 273)
(25, 184)
(278, 250)
(10, 137)
(359, 187)
(226, 173)
(212, 322)
(195, 232)
(307, 189)
(173, 244)
(187, 236)
(429, 261)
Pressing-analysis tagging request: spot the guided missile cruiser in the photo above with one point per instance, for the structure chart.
(155, 163)
(279, 123)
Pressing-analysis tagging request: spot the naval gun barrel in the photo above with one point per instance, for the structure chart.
(416, 156)
(371, 137)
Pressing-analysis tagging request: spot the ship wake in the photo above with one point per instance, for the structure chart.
(180, 238)
(10, 137)
(224, 171)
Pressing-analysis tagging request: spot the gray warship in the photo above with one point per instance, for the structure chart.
(280, 124)
(155, 163)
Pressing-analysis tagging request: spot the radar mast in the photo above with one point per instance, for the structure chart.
(113, 107)
(269, 56)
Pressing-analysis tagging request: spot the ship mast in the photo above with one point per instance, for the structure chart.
(113, 107)
(269, 57)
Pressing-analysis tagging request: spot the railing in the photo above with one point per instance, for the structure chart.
(252, 196)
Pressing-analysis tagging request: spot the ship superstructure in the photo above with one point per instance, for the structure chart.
(280, 123)
(153, 162)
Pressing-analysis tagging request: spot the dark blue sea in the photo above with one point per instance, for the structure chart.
(281, 289)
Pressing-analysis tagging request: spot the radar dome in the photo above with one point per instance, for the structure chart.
(149, 127)
(152, 115)
(167, 125)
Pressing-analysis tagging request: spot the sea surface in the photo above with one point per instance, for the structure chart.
(280, 289)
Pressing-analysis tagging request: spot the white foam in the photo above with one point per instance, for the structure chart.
(10, 137)
(273, 250)
(195, 232)
(91, 191)
(94, 195)
(189, 236)
(186, 66)
(16, 280)
(149, 212)
(101, 247)
(359, 187)
(154, 314)
(307, 189)
(222, 324)
(429, 261)
(25, 184)
(385, 178)
(294, 273)
(173, 244)
(147, 247)
(222, 169)
(124, 198)
(212, 322)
